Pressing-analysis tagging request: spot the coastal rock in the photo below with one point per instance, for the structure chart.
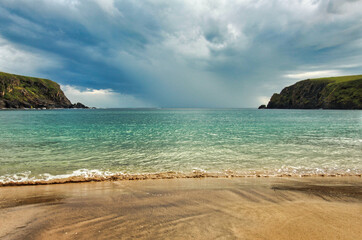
(19, 92)
(78, 105)
(262, 106)
(323, 93)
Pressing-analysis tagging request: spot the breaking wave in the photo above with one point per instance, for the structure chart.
(94, 175)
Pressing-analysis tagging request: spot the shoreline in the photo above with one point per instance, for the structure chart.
(235, 208)
(165, 175)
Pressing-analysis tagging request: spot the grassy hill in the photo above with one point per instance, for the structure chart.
(343, 92)
(28, 92)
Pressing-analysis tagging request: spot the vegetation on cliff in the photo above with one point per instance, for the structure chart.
(328, 93)
(28, 92)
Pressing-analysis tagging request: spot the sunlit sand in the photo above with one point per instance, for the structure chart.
(239, 208)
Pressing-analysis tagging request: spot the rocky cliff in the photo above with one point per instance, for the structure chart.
(27, 92)
(327, 93)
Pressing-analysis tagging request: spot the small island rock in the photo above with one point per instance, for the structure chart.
(263, 106)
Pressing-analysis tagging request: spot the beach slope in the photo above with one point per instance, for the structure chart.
(242, 208)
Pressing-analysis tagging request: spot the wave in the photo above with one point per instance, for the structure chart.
(94, 175)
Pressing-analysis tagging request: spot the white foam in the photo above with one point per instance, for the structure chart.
(83, 173)
(17, 177)
(98, 175)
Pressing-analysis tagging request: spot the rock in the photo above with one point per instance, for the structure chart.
(78, 105)
(262, 106)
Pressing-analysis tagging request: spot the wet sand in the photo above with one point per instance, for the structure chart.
(238, 208)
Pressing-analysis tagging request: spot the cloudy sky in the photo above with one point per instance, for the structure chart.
(186, 53)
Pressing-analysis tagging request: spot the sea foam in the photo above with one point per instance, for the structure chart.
(95, 175)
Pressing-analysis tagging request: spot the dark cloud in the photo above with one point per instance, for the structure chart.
(181, 53)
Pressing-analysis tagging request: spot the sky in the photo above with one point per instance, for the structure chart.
(179, 53)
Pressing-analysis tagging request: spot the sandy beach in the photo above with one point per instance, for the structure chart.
(239, 208)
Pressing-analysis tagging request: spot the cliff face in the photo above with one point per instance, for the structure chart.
(27, 92)
(327, 93)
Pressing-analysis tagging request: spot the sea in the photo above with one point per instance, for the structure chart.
(65, 145)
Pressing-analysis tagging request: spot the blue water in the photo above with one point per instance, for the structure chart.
(47, 143)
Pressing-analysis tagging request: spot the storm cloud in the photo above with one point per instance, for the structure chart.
(179, 53)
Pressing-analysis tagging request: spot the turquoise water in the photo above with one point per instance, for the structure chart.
(61, 143)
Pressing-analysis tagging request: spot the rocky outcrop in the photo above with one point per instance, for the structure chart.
(78, 105)
(27, 92)
(262, 106)
(326, 93)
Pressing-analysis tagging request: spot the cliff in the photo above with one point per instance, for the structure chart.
(327, 93)
(28, 92)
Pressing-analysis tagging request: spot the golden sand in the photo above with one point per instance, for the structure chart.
(220, 208)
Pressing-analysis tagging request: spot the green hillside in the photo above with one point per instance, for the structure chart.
(28, 92)
(343, 92)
